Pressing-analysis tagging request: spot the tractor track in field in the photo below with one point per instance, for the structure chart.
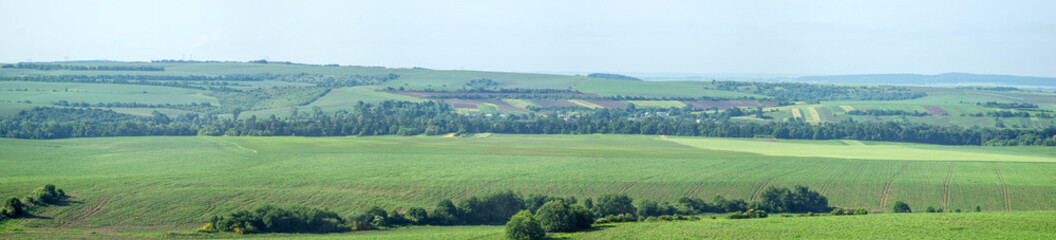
(103, 202)
(693, 191)
(1004, 187)
(760, 190)
(946, 188)
(887, 185)
(828, 184)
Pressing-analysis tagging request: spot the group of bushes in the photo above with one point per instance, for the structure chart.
(530, 215)
(267, 219)
(16, 207)
(750, 213)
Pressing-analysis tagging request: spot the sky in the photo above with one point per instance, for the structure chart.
(775, 37)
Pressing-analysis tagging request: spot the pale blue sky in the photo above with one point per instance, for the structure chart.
(790, 37)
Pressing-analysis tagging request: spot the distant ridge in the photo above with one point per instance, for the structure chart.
(940, 79)
(612, 76)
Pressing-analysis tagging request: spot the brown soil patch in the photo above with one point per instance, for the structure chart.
(936, 110)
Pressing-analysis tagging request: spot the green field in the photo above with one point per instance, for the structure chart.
(955, 101)
(160, 184)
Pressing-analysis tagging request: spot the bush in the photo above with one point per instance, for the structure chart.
(613, 204)
(861, 211)
(930, 209)
(418, 215)
(15, 207)
(296, 219)
(445, 213)
(524, 226)
(556, 216)
(901, 207)
(584, 217)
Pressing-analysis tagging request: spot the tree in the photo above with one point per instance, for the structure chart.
(648, 208)
(584, 217)
(614, 204)
(418, 215)
(16, 206)
(556, 216)
(446, 213)
(901, 207)
(524, 226)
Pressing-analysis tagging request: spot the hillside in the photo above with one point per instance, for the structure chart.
(966, 79)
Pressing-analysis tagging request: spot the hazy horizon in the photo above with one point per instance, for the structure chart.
(707, 37)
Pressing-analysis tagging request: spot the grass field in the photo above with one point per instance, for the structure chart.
(155, 184)
(1015, 225)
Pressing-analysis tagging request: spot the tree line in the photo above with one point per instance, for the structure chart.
(1006, 114)
(51, 67)
(885, 112)
(819, 92)
(534, 214)
(432, 118)
(1013, 105)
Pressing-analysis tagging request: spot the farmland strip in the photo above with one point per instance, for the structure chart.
(887, 186)
(1004, 187)
(828, 184)
(946, 188)
(815, 116)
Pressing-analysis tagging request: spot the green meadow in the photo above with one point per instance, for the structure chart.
(150, 185)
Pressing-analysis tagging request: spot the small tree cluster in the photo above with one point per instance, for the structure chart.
(845, 211)
(524, 226)
(297, 219)
(748, 214)
(16, 207)
(901, 207)
(558, 216)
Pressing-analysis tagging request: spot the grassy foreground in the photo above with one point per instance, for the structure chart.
(987, 225)
(154, 185)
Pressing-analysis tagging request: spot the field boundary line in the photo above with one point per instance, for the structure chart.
(1004, 187)
(946, 188)
(887, 185)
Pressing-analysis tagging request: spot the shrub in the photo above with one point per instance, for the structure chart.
(15, 206)
(584, 217)
(524, 226)
(930, 209)
(296, 219)
(614, 204)
(861, 211)
(556, 216)
(418, 215)
(901, 207)
(208, 228)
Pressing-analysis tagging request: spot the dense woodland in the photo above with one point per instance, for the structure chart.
(431, 118)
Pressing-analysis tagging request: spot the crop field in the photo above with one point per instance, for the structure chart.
(45, 93)
(1015, 225)
(122, 185)
(1018, 225)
